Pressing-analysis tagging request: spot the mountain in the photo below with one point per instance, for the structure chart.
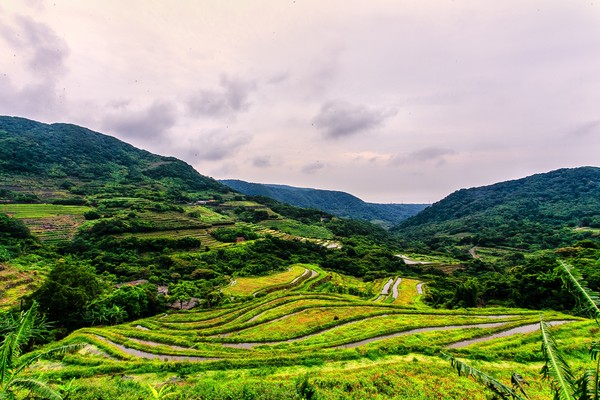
(540, 211)
(62, 161)
(338, 203)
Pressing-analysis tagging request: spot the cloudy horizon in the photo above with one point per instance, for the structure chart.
(392, 101)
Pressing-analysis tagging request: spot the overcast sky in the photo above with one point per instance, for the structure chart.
(392, 101)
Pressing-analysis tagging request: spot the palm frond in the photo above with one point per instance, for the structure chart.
(585, 386)
(25, 361)
(6, 358)
(556, 368)
(499, 388)
(23, 332)
(587, 298)
(38, 388)
(519, 383)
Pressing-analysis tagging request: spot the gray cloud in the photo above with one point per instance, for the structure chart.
(217, 145)
(312, 168)
(44, 54)
(231, 99)
(435, 155)
(149, 123)
(585, 129)
(338, 119)
(45, 51)
(261, 161)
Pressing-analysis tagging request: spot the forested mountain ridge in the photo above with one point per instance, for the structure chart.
(542, 210)
(338, 203)
(42, 161)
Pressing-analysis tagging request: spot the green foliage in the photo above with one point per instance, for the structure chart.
(230, 235)
(93, 163)
(11, 228)
(556, 368)
(70, 287)
(182, 291)
(305, 389)
(540, 211)
(13, 363)
(588, 299)
(497, 387)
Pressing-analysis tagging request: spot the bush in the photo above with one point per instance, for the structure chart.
(92, 215)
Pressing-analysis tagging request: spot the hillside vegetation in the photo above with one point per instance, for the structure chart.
(338, 203)
(64, 163)
(540, 211)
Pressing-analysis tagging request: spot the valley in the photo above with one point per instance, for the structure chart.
(132, 276)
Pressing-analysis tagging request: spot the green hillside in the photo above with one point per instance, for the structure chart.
(541, 211)
(65, 163)
(337, 203)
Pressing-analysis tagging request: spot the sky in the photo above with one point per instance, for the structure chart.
(393, 101)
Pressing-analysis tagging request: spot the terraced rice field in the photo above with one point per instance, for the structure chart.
(248, 286)
(49, 222)
(407, 292)
(207, 215)
(204, 235)
(295, 326)
(16, 283)
(173, 220)
(34, 211)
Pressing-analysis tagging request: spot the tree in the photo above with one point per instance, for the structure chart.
(12, 363)
(182, 292)
(66, 293)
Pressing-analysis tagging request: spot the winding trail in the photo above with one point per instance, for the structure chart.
(395, 288)
(144, 354)
(472, 252)
(417, 330)
(419, 287)
(386, 290)
(408, 261)
(519, 329)
(250, 345)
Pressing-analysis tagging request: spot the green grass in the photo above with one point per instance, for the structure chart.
(407, 292)
(207, 215)
(247, 286)
(35, 211)
(48, 222)
(298, 229)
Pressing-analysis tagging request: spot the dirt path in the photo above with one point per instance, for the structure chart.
(304, 274)
(386, 290)
(519, 329)
(395, 288)
(419, 287)
(472, 252)
(417, 330)
(144, 354)
(408, 261)
(249, 345)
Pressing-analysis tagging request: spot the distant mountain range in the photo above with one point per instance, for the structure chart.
(338, 203)
(540, 211)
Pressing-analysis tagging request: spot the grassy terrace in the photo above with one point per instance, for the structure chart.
(16, 282)
(48, 222)
(282, 335)
(248, 286)
(289, 326)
